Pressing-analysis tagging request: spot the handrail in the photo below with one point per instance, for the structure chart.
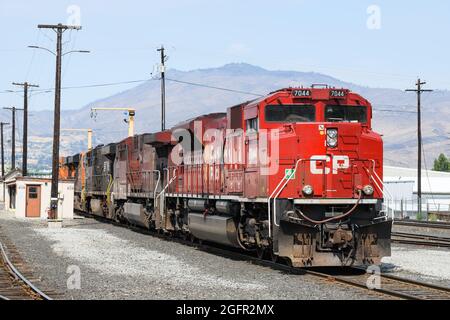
(385, 192)
(271, 196)
(108, 190)
(157, 183)
(169, 182)
(285, 184)
(269, 206)
(164, 189)
(129, 176)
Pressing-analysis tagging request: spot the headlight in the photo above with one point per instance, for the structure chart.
(368, 190)
(308, 190)
(332, 138)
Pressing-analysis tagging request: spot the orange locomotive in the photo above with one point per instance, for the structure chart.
(296, 174)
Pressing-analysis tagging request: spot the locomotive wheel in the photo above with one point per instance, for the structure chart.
(288, 262)
(260, 252)
(272, 256)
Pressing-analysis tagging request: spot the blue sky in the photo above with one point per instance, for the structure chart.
(331, 37)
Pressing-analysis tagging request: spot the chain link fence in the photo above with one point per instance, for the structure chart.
(430, 210)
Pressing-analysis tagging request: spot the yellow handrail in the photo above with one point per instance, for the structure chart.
(108, 190)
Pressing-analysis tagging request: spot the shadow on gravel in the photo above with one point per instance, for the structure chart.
(233, 254)
(339, 271)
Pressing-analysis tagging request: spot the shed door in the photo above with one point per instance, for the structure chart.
(33, 202)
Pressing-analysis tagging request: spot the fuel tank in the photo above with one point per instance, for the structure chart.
(96, 207)
(135, 214)
(219, 229)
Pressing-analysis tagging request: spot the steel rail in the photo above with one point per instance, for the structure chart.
(422, 243)
(420, 239)
(420, 236)
(428, 224)
(20, 276)
(361, 283)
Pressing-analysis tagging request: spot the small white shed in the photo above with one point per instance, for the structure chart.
(29, 197)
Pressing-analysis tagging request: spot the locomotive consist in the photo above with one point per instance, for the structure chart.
(296, 174)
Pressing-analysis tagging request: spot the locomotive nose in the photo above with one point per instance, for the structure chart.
(336, 161)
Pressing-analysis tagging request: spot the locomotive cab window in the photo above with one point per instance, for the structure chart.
(346, 114)
(290, 113)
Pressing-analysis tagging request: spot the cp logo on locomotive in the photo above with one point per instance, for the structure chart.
(319, 164)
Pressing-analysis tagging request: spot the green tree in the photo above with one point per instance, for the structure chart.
(442, 163)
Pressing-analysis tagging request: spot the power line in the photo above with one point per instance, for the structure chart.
(97, 85)
(83, 86)
(67, 62)
(32, 55)
(217, 88)
(143, 80)
(394, 111)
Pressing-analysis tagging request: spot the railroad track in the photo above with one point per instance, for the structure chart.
(423, 224)
(15, 285)
(390, 286)
(420, 239)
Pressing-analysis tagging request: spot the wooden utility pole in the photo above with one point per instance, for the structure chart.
(163, 89)
(2, 124)
(13, 136)
(419, 92)
(25, 86)
(59, 29)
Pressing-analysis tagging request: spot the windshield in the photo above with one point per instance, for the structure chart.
(290, 113)
(346, 114)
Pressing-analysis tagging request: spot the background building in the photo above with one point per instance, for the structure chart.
(401, 183)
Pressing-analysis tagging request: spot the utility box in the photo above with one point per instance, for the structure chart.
(29, 197)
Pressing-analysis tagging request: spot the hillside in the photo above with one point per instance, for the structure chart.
(186, 101)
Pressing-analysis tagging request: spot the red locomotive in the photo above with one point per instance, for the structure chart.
(296, 174)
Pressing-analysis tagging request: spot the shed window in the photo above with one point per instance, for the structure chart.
(252, 124)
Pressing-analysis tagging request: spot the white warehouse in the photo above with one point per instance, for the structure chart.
(401, 184)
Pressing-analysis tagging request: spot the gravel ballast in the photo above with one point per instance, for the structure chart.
(119, 263)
